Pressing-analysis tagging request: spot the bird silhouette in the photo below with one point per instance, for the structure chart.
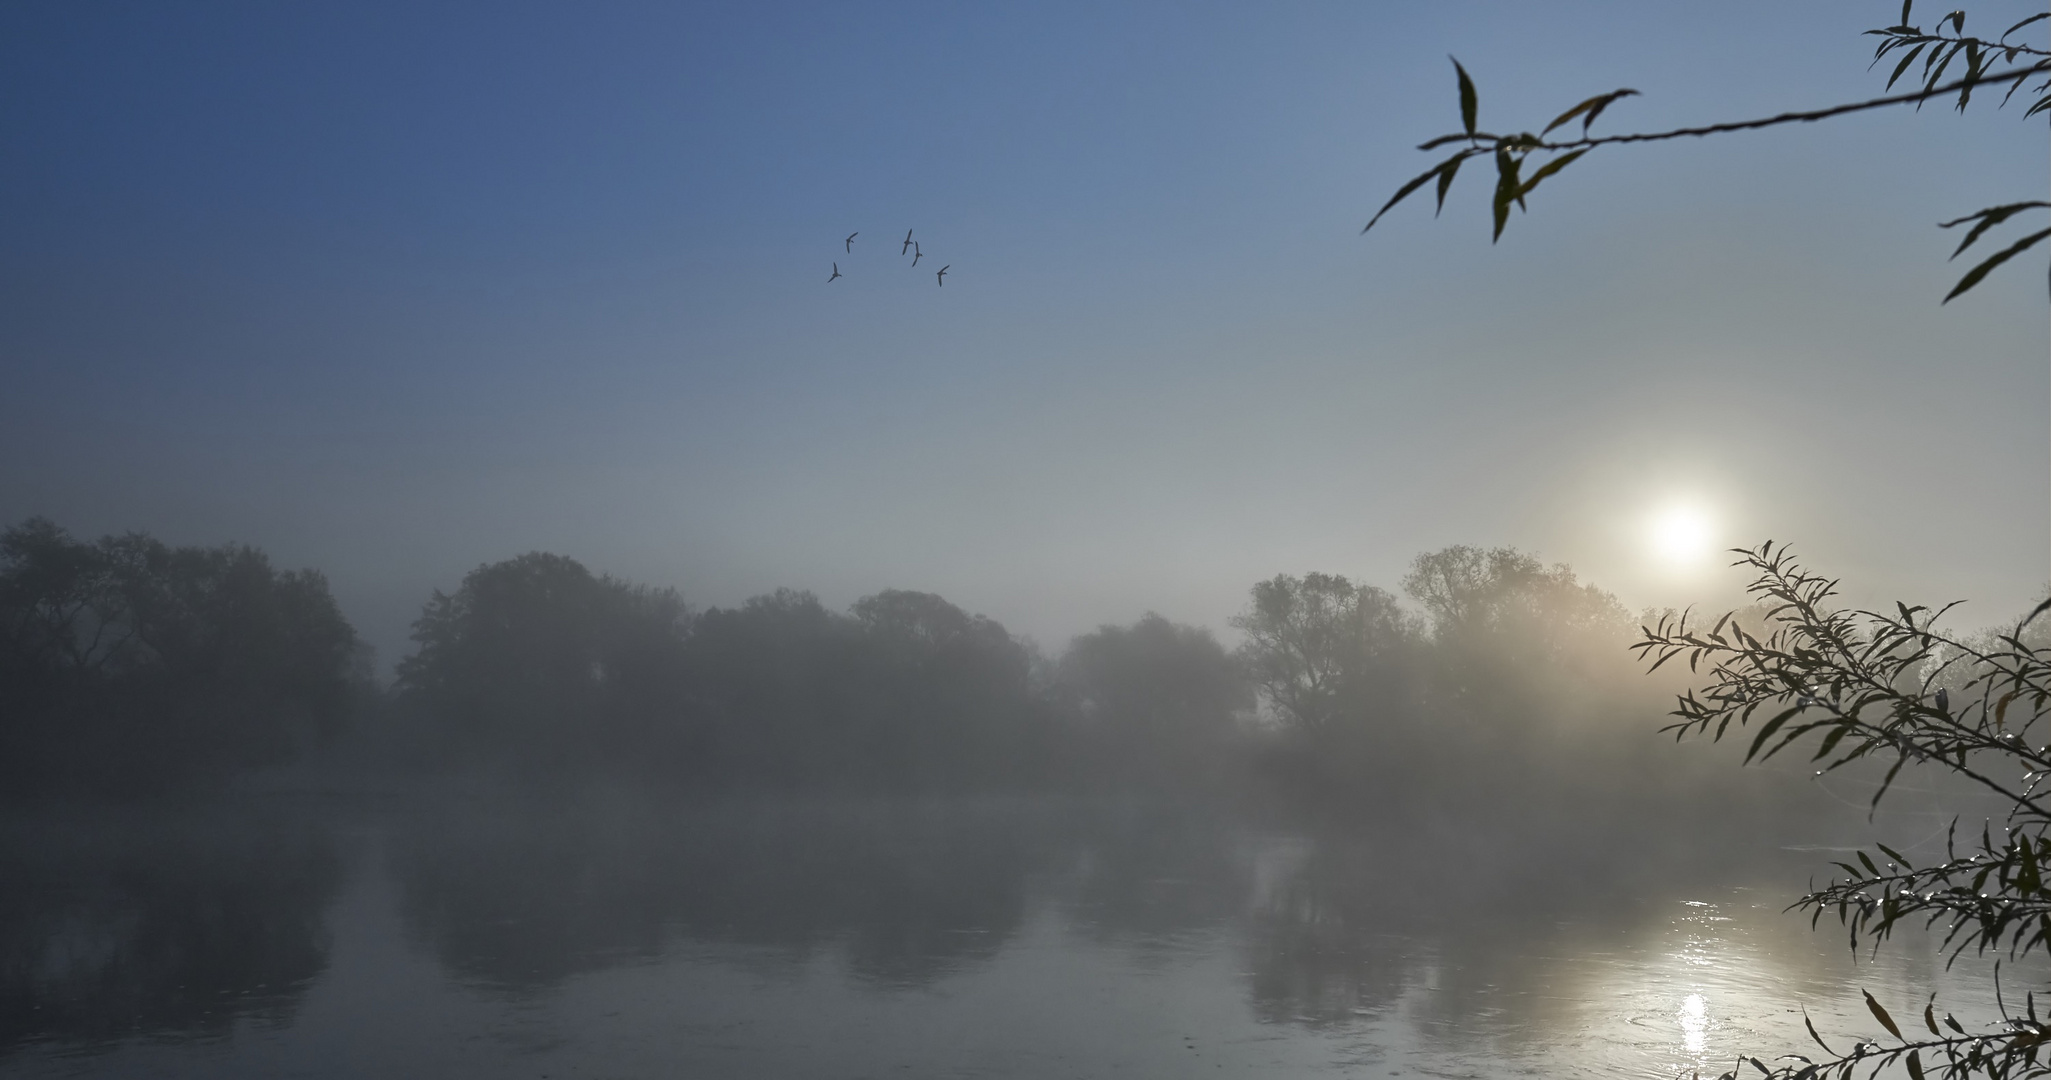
(851, 241)
(836, 273)
(916, 254)
(1943, 700)
(907, 242)
(941, 277)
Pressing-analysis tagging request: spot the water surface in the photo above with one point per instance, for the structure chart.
(621, 936)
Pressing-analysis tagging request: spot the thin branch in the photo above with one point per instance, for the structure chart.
(1793, 117)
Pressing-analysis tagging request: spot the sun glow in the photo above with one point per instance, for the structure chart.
(1682, 534)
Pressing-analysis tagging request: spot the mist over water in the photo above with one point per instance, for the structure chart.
(592, 830)
(610, 932)
(478, 599)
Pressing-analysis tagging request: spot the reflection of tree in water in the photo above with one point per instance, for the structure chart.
(1147, 875)
(520, 897)
(146, 924)
(1471, 947)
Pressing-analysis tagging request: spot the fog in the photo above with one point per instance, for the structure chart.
(1487, 681)
(515, 560)
(226, 832)
(395, 294)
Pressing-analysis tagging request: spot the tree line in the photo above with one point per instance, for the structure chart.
(127, 666)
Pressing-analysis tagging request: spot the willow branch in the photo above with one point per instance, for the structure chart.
(1808, 116)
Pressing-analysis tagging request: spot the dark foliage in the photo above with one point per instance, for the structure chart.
(1155, 702)
(536, 660)
(1523, 160)
(129, 666)
(1895, 690)
(540, 665)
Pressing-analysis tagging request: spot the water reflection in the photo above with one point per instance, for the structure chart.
(522, 898)
(1694, 1025)
(176, 924)
(839, 937)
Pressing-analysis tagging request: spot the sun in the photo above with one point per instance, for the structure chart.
(1682, 534)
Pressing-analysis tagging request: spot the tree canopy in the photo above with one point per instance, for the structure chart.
(128, 664)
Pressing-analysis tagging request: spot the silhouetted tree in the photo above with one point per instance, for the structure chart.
(537, 660)
(1511, 688)
(953, 687)
(770, 678)
(1500, 619)
(132, 665)
(1157, 698)
(1306, 637)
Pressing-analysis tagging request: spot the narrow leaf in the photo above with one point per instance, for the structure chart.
(1915, 1063)
(1880, 1014)
(1600, 106)
(2025, 22)
(1549, 168)
(1965, 90)
(1470, 102)
(1446, 172)
(1444, 139)
(1811, 1025)
(1401, 194)
(1830, 742)
(1987, 219)
(1887, 782)
(1766, 732)
(1506, 191)
(1974, 275)
(1903, 66)
(1592, 107)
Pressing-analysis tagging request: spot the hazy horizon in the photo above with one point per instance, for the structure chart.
(394, 292)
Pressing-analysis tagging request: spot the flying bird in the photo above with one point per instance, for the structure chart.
(851, 241)
(916, 254)
(836, 273)
(907, 242)
(941, 277)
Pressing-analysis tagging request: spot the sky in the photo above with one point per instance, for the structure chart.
(394, 290)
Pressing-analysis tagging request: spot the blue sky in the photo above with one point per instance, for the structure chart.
(393, 290)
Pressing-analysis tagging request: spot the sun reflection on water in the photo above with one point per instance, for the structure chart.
(1695, 1024)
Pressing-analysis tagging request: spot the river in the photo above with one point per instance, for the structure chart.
(614, 935)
